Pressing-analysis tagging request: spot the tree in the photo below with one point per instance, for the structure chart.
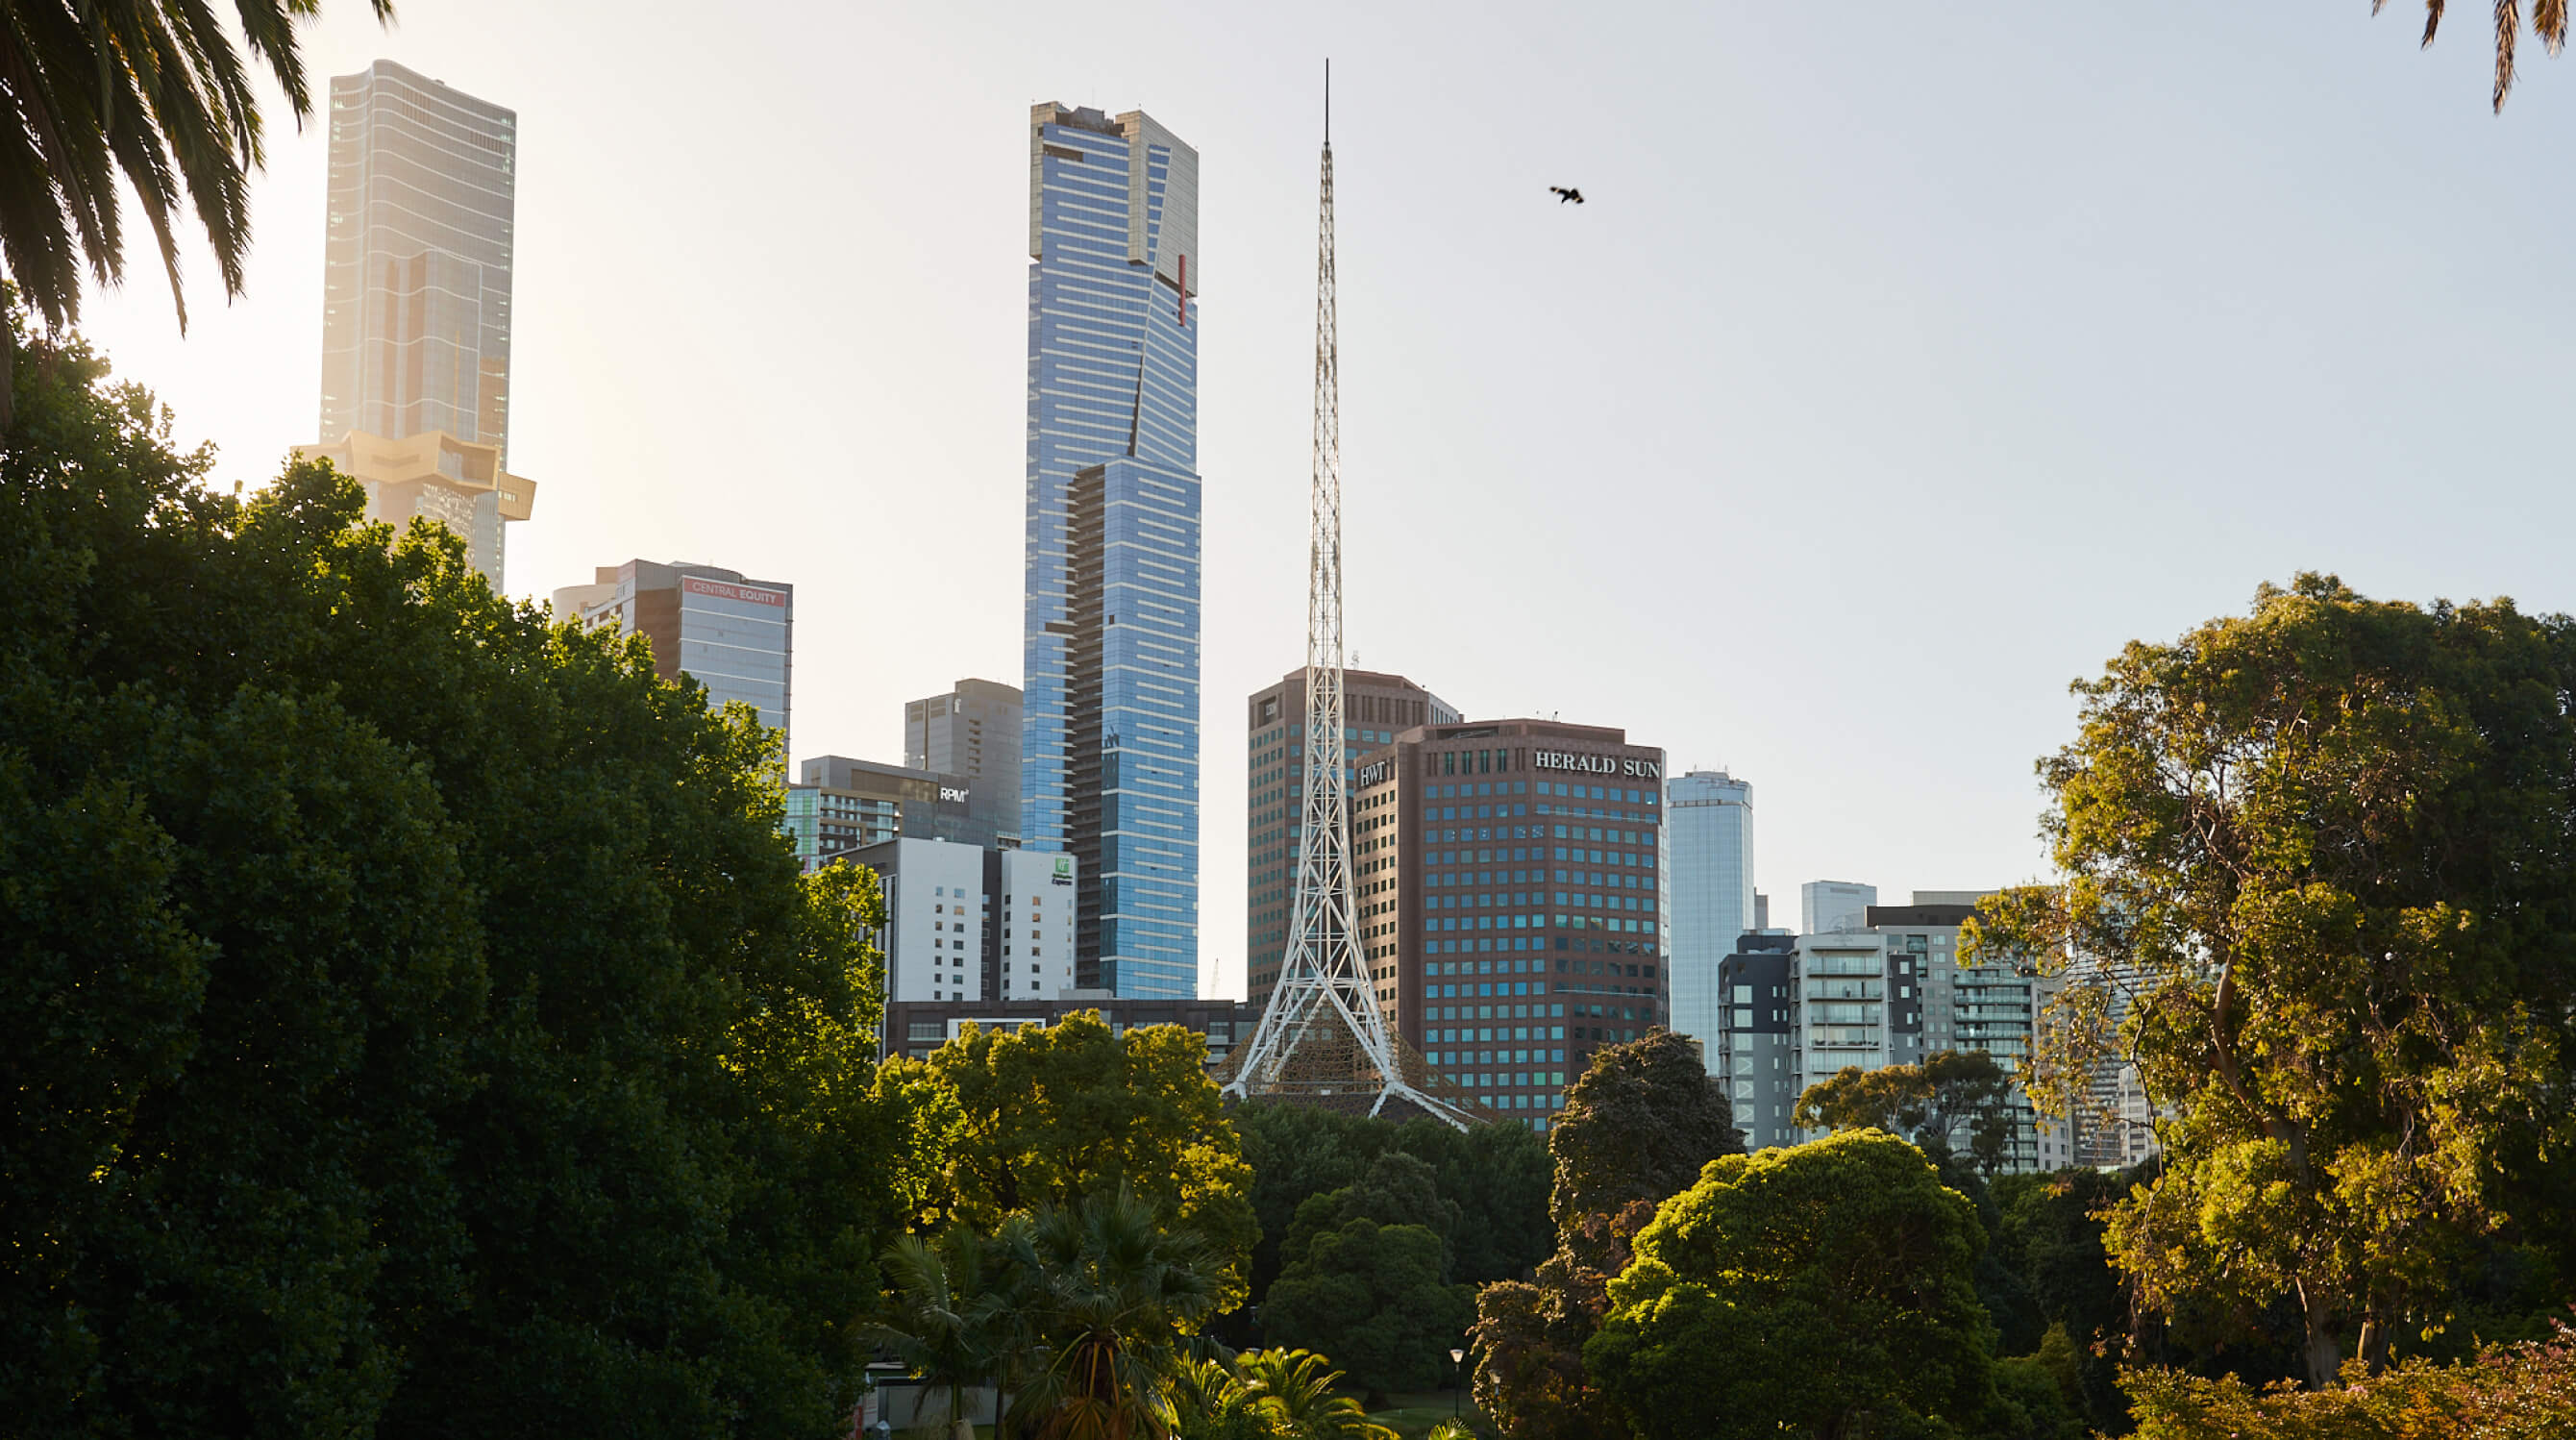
(2048, 1239)
(2525, 1391)
(1116, 1291)
(2548, 23)
(152, 95)
(2326, 845)
(1496, 1176)
(1397, 1189)
(1372, 1296)
(1053, 1115)
(1929, 1103)
(952, 1321)
(1300, 1391)
(1637, 1127)
(1834, 1279)
(411, 1020)
(1209, 1402)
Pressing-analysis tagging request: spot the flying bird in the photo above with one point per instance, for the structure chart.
(1562, 194)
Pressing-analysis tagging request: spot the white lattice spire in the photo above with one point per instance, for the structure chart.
(1324, 1005)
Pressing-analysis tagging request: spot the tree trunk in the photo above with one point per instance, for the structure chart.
(2324, 1348)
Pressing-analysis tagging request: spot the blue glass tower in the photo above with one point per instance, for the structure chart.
(1110, 740)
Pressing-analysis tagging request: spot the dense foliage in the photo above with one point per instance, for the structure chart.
(1834, 1279)
(2509, 1392)
(2325, 853)
(411, 1021)
(1492, 1179)
(1021, 1119)
(1928, 1103)
(1636, 1128)
(1275, 1394)
(1370, 1295)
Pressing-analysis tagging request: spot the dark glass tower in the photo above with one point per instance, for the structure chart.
(1110, 752)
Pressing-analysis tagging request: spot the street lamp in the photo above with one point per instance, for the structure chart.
(1457, 1380)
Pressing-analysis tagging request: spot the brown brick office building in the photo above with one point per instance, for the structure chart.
(1375, 706)
(1509, 877)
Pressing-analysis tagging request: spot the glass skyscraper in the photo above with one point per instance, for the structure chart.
(1110, 736)
(416, 265)
(1708, 825)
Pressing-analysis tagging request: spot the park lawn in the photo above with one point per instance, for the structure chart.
(1413, 1415)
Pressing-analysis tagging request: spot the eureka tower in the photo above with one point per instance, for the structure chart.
(1110, 736)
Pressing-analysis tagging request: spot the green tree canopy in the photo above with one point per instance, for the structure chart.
(411, 1020)
(1371, 1296)
(1636, 1129)
(1637, 1126)
(2323, 854)
(1496, 1176)
(2524, 1391)
(1927, 1103)
(1801, 1289)
(1396, 1189)
(1049, 1116)
(1113, 1287)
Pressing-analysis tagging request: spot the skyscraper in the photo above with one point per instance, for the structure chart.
(1508, 877)
(416, 265)
(734, 635)
(416, 306)
(1110, 739)
(1376, 706)
(1708, 877)
(972, 732)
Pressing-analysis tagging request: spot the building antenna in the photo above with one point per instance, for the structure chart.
(1322, 1033)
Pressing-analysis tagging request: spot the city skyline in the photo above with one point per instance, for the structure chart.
(2021, 358)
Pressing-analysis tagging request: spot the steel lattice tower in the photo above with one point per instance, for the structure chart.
(1321, 1033)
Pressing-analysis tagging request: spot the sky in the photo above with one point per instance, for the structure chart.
(1905, 363)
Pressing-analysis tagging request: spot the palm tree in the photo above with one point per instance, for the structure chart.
(953, 1322)
(1117, 1291)
(2548, 21)
(1297, 1387)
(150, 92)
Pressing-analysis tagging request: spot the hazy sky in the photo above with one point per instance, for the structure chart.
(1905, 363)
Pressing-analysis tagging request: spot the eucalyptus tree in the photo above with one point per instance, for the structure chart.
(2326, 852)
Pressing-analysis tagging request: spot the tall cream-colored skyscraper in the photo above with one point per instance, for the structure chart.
(416, 296)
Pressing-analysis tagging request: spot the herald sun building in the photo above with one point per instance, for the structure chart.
(1510, 899)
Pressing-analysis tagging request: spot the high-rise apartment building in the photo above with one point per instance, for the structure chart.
(1375, 706)
(732, 634)
(1828, 905)
(1110, 748)
(973, 731)
(1890, 990)
(1708, 832)
(416, 305)
(1757, 1050)
(1509, 899)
